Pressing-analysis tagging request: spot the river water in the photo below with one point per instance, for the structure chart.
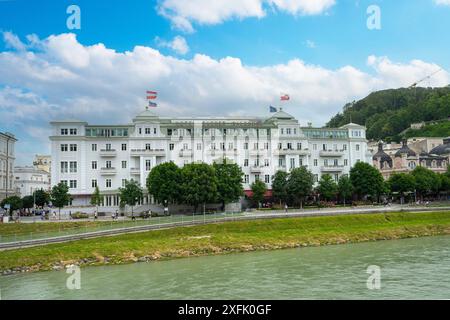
(409, 269)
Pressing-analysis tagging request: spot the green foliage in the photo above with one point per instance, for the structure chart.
(60, 196)
(402, 183)
(14, 201)
(327, 188)
(259, 189)
(387, 113)
(198, 184)
(41, 198)
(300, 184)
(229, 182)
(79, 215)
(27, 202)
(131, 193)
(345, 188)
(279, 186)
(164, 181)
(96, 198)
(367, 180)
(441, 129)
(426, 180)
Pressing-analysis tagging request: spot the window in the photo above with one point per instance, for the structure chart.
(288, 131)
(124, 164)
(245, 145)
(94, 183)
(171, 146)
(64, 167)
(185, 146)
(222, 146)
(64, 132)
(108, 146)
(256, 177)
(108, 183)
(315, 162)
(246, 178)
(324, 147)
(357, 147)
(336, 162)
(73, 167)
(325, 162)
(147, 130)
(124, 181)
(154, 130)
(280, 162)
(64, 182)
(94, 165)
(148, 165)
(245, 162)
(108, 164)
(148, 146)
(73, 184)
(336, 177)
(316, 178)
(282, 131)
(299, 146)
(94, 147)
(292, 160)
(73, 147)
(63, 147)
(289, 146)
(124, 147)
(300, 161)
(169, 132)
(345, 162)
(73, 132)
(344, 147)
(267, 178)
(314, 146)
(140, 130)
(230, 146)
(266, 162)
(199, 146)
(280, 146)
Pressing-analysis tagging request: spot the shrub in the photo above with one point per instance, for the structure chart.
(80, 215)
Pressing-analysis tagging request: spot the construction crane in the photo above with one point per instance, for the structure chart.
(414, 85)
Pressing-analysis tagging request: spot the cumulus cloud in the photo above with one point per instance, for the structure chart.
(178, 44)
(65, 79)
(183, 13)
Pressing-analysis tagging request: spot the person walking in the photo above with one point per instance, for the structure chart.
(95, 215)
(286, 208)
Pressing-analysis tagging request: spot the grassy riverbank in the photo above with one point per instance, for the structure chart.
(227, 237)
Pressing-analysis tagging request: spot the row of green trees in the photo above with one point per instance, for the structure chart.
(59, 197)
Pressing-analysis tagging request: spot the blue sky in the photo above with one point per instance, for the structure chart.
(210, 57)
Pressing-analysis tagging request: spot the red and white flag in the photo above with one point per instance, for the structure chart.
(285, 97)
(152, 95)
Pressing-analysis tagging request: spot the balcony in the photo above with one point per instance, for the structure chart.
(332, 168)
(186, 153)
(108, 171)
(108, 153)
(283, 152)
(255, 169)
(148, 152)
(135, 171)
(331, 153)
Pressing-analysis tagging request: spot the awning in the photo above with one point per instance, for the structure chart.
(249, 193)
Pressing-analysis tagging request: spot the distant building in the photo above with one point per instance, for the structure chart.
(43, 162)
(7, 158)
(408, 157)
(29, 179)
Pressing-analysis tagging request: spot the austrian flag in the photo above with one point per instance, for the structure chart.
(285, 97)
(152, 95)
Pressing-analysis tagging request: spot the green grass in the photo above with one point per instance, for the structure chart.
(229, 237)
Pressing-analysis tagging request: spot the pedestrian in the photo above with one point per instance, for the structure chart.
(286, 208)
(95, 215)
(117, 215)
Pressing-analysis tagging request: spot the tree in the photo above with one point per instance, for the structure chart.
(131, 193)
(279, 186)
(15, 203)
(327, 187)
(60, 196)
(164, 181)
(402, 183)
(259, 190)
(366, 180)
(426, 180)
(27, 202)
(41, 198)
(229, 182)
(300, 184)
(345, 188)
(199, 184)
(96, 198)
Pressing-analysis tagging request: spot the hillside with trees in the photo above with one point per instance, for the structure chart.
(388, 113)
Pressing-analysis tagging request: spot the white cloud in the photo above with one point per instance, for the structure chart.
(65, 79)
(310, 44)
(13, 41)
(183, 13)
(442, 2)
(178, 44)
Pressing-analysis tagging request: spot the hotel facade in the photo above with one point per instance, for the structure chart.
(7, 158)
(85, 156)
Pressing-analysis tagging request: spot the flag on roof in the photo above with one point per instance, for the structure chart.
(152, 104)
(272, 109)
(285, 97)
(151, 95)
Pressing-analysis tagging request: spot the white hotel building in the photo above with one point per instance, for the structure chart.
(85, 156)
